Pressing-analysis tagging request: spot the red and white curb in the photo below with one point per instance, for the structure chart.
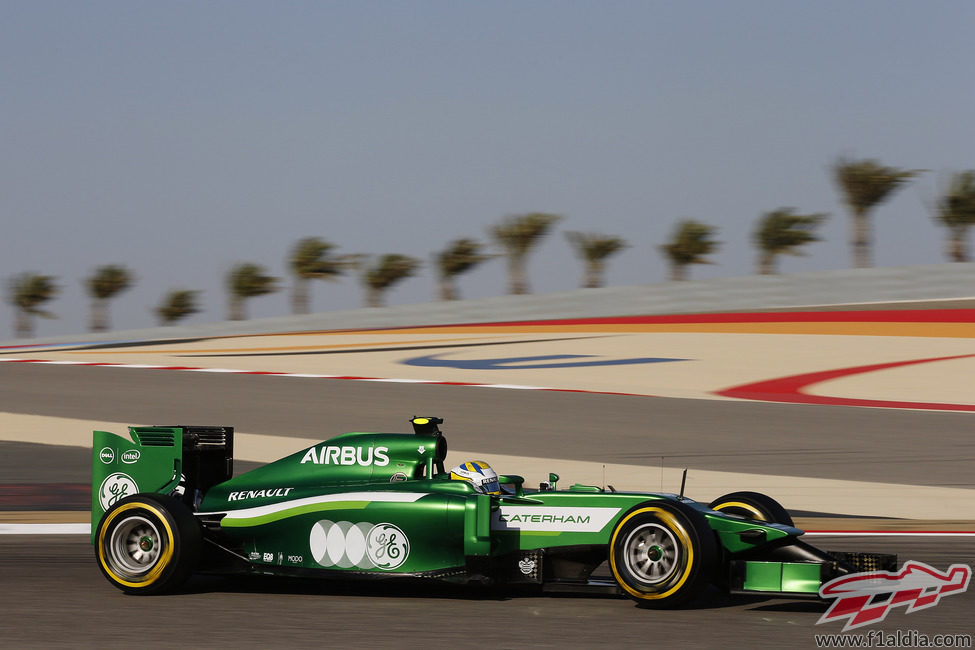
(305, 375)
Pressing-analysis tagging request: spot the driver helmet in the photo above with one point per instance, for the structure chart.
(479, 474)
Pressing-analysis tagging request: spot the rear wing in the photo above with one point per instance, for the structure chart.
(185, 461)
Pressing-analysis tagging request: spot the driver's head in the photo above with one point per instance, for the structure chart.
(479, 474)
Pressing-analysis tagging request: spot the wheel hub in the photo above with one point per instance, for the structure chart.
(134, 547)
(651, 553)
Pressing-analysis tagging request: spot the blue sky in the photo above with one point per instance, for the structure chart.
(178, 138)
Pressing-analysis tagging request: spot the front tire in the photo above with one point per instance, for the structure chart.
(148, 544)
(662, 553)
(753, 505)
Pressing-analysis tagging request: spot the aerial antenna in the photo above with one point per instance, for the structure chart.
(683, 482)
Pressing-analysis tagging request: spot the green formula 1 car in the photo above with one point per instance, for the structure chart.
(381, 505)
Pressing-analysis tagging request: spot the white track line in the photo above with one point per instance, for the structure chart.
(889, 533)
(45, 529)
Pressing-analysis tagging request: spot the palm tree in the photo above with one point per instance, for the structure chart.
(866, 184)
(103, 285)
(781, 232)
(594, 249)
(460, 256)
(177, 305)
(27, 292)
(245, 281)
(311, 258)
(386, 272)
(691, 241)
(956, 211)
(517, 235)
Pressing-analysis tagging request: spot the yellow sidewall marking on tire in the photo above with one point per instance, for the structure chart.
(675, 527)
(164, 557)
(759, 516)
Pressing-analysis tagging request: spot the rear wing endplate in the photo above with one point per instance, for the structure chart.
(157, 459)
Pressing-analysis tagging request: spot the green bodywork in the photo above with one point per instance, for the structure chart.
(151, 461)
(378, 504)
(782, 577)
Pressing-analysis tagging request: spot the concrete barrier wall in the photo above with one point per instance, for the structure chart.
(940, 285)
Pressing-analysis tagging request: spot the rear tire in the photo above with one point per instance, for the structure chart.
(662, 553)
(753, 505)
(148, 544)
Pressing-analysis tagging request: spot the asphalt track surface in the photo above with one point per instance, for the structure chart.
(52, 595)
(883, 445)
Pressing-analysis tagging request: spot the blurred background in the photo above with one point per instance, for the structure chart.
(180, 144)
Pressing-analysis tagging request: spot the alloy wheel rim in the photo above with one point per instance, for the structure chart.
(135, 546)
(651, 553)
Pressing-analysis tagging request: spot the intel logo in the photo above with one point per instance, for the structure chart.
(107, 455)
(131, 456)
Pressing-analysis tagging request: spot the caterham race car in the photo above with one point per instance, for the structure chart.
(165, 505)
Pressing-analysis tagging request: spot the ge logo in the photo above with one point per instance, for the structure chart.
(387, 546)
(115, 486)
